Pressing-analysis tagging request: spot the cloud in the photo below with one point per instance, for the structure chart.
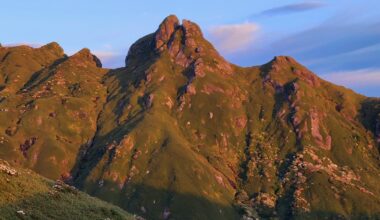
(328, 47)
(333, 47)
(293, 8)
(110, 59)
(355, 78)
(105, 54)
(34, 45)
(234, 37)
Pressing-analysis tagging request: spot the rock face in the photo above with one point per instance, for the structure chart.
(180, 133)
(165, 31)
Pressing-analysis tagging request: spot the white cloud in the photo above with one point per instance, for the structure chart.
(234, 37)
(34, 45)
(105, 54)
(294, 8)
(110, 59)
(355, 78)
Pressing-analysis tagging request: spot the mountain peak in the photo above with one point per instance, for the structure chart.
(183, 43)
(279, 67)
(166, 30)
(86, 56)
(284, 60)
(191, 28)
(54, 47)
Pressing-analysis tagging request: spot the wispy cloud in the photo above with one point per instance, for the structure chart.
(105, 54)
(293, 8)
(110, 59)
(34, 45)
(234, 37)
(328, 47)
(355, 78)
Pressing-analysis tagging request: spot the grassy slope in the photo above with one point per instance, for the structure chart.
(61, 98)
(39, 199)
(249, 131)
(181, 131)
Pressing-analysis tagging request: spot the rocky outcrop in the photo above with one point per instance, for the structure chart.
(165, 32)
(54, 48)
(281, 64)
(181, 133)
(85, 57)
(6, 168)
(315, 121)
(186, 46)
(27, 145)
(192, 34)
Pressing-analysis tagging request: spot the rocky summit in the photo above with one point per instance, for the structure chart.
(181, 133)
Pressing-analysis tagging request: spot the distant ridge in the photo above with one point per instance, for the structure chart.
(180, 133)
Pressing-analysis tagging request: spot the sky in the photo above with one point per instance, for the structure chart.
(337, 39)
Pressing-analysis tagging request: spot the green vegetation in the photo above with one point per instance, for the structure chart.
(181, 133)
(26, 195)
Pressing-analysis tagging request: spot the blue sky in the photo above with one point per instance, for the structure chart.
(337, 39)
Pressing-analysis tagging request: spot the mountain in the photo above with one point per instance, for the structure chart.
(26, 195)
(181, 133)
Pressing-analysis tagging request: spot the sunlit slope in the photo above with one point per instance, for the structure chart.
(180, 133)
(26, 195)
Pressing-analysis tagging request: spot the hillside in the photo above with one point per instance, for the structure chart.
(180, 133)
(26, 195)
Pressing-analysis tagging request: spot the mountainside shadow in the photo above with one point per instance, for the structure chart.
(60, 207)
(130, 76)
(152, 203)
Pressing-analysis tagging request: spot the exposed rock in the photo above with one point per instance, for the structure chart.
(241, 196)
(169, 102)
(240, 122)
(191, 31)
(308, 76)
(199, 68)
(211, 88)
(263, 132)
(165, 31)
(283, 60)
(5, 168)
(21, 212)
(190, 89)
(315, 131)
(84, 58)
(10, 131)
(265, 204)
(27, 145)
(148, 101)
(53, 47)
(52, 114)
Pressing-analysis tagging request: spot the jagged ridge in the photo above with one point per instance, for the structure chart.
(181, 133)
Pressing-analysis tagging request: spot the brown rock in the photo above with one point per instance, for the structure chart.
(27, 145)
(84, 58)
(165, 30)
(191, 31)
(241, 121)
(10, 131)
(199, 68)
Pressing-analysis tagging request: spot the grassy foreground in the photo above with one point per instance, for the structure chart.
(26, 195)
